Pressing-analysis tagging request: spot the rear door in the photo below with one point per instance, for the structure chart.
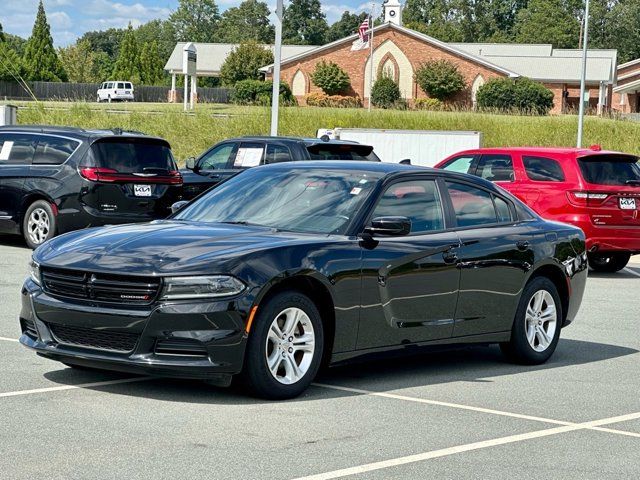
(16, 154)
(132, 178)
(212, 167)
(612, 192)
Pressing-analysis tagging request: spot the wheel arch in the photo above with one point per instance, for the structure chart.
(557, 276)
(29, 199)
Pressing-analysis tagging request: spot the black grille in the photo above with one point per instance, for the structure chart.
(100, 287)
(180, 346)
(29, 328)
(92, 338)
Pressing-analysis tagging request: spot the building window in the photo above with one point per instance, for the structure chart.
(299, 84)
(477, 83)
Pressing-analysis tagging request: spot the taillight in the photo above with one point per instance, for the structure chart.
(583, 198)
(94, 174)
(175, 178)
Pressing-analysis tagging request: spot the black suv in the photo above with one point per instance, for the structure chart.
(57, 179)
(229, 157)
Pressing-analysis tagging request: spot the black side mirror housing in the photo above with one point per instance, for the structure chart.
(406, 161)
(190, 163)
(389, 226)
(178, 206)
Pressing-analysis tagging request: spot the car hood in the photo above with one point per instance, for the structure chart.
(162, 247)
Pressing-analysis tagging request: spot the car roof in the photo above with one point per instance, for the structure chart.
(578, 152)
(79, 133)
(308, 141)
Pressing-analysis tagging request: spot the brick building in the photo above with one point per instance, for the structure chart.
(626, 93)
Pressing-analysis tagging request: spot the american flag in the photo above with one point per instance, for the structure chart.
(363, 32)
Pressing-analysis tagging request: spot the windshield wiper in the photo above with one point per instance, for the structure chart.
(632, 182)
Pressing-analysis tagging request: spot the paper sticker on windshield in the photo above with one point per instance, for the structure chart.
(6, 151)
(248, 157)
(355, 191)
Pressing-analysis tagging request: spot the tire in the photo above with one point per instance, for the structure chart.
(98, 99)
(533, 340)
(38, 224)
(608, 262)
(109, 99)
(265, 347)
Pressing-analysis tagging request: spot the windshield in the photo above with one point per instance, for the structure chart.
(132, 156)
(300, 200)
(610, 169)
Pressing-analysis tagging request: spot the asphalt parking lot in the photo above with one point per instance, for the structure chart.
(459, 414)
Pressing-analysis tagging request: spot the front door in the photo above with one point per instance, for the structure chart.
(409, 283)
(211, 168)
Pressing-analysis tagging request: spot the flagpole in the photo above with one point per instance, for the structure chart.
(371, 53)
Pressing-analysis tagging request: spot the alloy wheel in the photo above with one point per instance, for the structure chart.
(541, 320)
(38, 226)
(290, 346)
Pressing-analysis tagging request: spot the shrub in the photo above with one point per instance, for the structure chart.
(258, 92)
(428, 104)
(440, 79)
(330, 78)
(385, 92)
(244, 63)
(523, 95)
(332, 101)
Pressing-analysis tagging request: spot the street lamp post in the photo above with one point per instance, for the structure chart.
(584, 73)
(277, 55)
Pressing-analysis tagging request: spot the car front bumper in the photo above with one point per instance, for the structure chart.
(210, 336)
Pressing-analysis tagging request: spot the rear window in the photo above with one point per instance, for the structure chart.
(132, 156)
(342, 152)
(542, 169)
(610, 169)
(128, 86)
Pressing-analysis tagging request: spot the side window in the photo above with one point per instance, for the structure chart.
(109, 85)
(472, 206)
(460, 164)
(502, 210)
(249, 155)
(496, 168)
(128, 86)
(54, 151)
(418, 200)
(16, 149)
(120, 85)
(277, 154)
(542, 169)
(216, 158)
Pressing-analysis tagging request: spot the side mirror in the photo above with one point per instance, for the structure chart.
(406, 161)
(178, 206)
(389, 226)
(191, 163)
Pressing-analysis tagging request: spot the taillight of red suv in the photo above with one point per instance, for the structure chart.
(109, 175)
(583, 198)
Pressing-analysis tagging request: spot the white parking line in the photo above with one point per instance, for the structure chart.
(628, 270)
(394, 462)
(9, 339)
(471, 408)
(72, 387)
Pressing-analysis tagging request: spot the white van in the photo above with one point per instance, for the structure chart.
(116, 90)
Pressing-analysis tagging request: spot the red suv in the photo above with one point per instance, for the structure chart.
(598, 191)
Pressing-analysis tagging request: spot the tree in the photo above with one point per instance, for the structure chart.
(79, 62)
(304, 23)
(159, 31)
(40, 58)
(522, 95)
(440, 79)
(151, 64)
(1, 34)
(244, 62)
(196, 21)
(330, 78)
(107, 41)
(437, 18)
(547, 21)
(624, 31)
(248, 21)
(385, 93)
(11, 65)
(127, 65)
(347, 25)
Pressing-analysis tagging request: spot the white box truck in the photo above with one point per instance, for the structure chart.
(422, 147)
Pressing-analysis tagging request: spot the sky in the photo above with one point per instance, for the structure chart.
(69, 19)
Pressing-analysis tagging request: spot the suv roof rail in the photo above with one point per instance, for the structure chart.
(120, 131)
(43, 128)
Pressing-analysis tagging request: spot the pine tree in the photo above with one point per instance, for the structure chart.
(1, 34)
(127, 65)
(40, 58)
(151, 67)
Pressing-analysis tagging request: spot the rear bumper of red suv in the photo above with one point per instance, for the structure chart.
(610, 238)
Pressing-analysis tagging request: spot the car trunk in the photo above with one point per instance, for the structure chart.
(131, 176)
(612, 191)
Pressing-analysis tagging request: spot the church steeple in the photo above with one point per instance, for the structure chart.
(392, 10)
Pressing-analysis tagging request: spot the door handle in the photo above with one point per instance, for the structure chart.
(214, 175)
(522, 245)
(450, 256)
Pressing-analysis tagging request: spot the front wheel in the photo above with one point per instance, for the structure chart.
(285, 347)
(39, 224)
(536, 327)
(608, 262)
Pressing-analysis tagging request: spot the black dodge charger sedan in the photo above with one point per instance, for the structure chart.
(287, 266)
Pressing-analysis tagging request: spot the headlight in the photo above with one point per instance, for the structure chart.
(177, 288)
(34, 271)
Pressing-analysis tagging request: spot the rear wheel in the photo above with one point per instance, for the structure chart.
(39, 223)
(536, 327)
(285, 346)
(608, 262)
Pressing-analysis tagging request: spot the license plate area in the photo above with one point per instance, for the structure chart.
(627, 203)
(142, 190)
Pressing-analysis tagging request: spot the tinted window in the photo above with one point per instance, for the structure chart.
(502, 210)
(472, 206)
(496, 168)
(610, 169)
(54, 150)
(132, 156)
(277, 154)
(341, 152)
(249, 155)
(16, 149)
(541, 169)
(216, 158)
(121, 85)
(128, 86)
(460, 164)
(109, 85)
(418, 200)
